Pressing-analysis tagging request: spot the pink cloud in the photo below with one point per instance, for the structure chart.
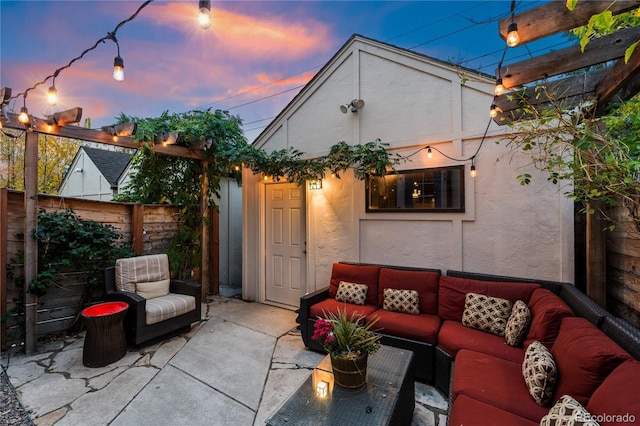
(245, 36)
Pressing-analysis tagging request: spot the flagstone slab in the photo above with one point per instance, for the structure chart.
(24, 373)
(231, 359)
(167, 351)
(290, 352)
(256, 316)
(100, 407)
(191, 403)
(50, 392)
(280, 385)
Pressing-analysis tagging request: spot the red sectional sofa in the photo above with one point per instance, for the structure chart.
(596, 355)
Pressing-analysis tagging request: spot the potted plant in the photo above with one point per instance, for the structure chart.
(349, 342)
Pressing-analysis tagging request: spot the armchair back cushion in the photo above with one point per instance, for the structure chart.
(141, 269)
(424, 282)
(358, 274)
(453, 290)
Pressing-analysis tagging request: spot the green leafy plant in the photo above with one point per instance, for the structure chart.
(69, 242)
(346, 337)
(179, 181)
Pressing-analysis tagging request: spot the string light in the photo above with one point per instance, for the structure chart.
(118, 62)
(473, 171)
(499, 89)
(494, 111)
(204, 17)
(52, 93)
(429, 153)
(513, 38)
(23, 117)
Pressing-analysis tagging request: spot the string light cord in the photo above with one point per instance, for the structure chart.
(110, 36)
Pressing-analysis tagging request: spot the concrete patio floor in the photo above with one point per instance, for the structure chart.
(233, 368)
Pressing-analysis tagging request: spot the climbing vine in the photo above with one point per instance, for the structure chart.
(177, 180)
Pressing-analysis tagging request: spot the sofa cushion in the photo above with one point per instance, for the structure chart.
(361, 274)
(616, 399)
(486, 313)
(132, 270)
(421, 327)
(321, 309)
(453, 337)
(471, 412)
(539, 372)
(452, 292)
(424, 282)
(494, 381)
(547, 311)
(584, 356)
(517, 324)
(403, 301)
(169, 306)
(152, 289)
(568, 411)
(352, 293)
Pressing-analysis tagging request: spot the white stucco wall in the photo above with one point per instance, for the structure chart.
(411, 102)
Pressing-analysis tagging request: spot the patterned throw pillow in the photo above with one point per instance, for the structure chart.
(405, 301)
(568, 412)
(540, 373)
(518, 324)
(352, 293)
(486, 313)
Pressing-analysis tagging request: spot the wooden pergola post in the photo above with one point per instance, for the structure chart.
(4, 225)
(30, 243)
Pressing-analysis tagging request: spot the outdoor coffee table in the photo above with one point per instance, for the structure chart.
(105, 341)
(387, 398)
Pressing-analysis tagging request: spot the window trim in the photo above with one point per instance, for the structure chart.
(462, 195)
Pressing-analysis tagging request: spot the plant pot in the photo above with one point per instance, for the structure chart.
(349, 372)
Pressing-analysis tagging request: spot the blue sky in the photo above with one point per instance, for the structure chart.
(252, 60)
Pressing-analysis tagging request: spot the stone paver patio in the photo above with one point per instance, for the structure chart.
(234, 368)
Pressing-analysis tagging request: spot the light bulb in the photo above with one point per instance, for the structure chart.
(52, 95)
(499, 89)
(473, 172)
(118, 69)
(24, 115)
(429, 154)
(512, 35)
(494, 111)
(115, 137)
(204, 18)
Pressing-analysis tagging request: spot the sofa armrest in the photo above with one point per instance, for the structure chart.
(306, 302)
(186, 287)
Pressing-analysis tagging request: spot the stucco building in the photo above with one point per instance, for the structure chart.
(435, 216)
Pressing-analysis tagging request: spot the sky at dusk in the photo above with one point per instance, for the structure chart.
(252, 61)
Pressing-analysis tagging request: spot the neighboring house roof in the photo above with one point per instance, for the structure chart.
(354, 38)
(110, 163)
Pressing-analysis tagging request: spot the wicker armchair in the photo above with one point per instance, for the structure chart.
(158, 305)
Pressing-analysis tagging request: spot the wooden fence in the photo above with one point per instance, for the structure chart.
(146, 228)
(623, 269)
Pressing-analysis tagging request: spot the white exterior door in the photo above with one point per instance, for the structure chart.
(285, 243)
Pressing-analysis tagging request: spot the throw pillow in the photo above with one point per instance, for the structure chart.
(404, 301)
(486, 313)
(517, 324)
(153, 289)
(540, 373)
(352, 293)
(568, 412)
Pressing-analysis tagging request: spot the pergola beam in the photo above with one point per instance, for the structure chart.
(618, 76)
(42, 125)
(598, 51)
(554, 17)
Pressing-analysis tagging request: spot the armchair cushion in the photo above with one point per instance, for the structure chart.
(153, 289)
(141, 269)
(169, 306)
